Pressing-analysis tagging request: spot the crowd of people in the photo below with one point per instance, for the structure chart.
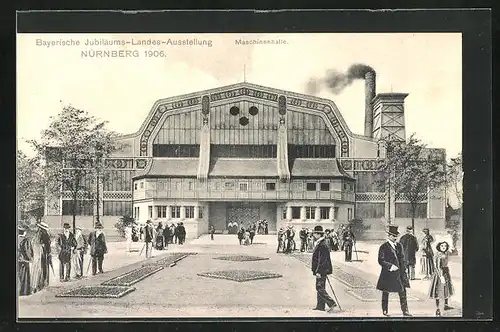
(342, 239)
(158, 237)
(35, 255)
(397, 260)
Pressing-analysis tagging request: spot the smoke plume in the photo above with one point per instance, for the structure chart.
(336, 81)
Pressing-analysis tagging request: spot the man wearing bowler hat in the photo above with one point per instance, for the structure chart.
(410, 248)
(98, 248)
(67, 246)
(321, 267)
(393, 278)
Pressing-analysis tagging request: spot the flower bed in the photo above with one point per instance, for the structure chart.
(170, 259)
(97, 292)
(241, 258)
(240, 275)
(133, 277)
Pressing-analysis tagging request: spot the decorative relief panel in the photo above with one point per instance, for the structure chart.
(370, 197)
(117, 195)
(119, 163)
(243, 92)
(367, 164)
(404, 197)
(346, 164)
(141, 163)
(112, 163)
(79, 196)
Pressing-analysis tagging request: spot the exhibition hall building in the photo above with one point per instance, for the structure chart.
(245, 152)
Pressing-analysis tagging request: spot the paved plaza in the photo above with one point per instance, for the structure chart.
(178, 290)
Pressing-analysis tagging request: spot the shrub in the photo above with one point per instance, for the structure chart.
(358, 227)
(122, 223)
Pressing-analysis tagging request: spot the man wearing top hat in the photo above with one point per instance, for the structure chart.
(321, 267)
(98, 248)
(67, 247)
(393, 278)
(410, 248)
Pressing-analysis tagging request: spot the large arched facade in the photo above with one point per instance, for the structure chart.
(246, 152)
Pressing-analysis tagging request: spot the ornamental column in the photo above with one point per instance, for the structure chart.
(289, 213)
(303, 213)
(317, 214)
(332, 213)
(196, 212)
(183, 212)
(169, 212)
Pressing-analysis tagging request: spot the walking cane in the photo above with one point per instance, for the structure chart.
(142, 249)
(334, 295)
(88, 266)
(356, 251)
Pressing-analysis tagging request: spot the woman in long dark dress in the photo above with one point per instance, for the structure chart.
(441, 287)
(42, 258)
(24, 259)
(160, 239)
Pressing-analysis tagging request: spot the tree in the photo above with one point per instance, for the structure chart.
(71, 150)
(411, 170)
(30, 190)
(455, 177)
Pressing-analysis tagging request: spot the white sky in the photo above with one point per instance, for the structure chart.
(123, 90)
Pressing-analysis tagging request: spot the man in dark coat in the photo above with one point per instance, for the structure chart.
(252, 232)
(149, 238)
(321, 267)
(98, 248)
(349, 240)
(67, 246)
(303, 239)
(212, 232)
(393, 278)
(182, 233)
(241, 232)
(166, 236)
(410, 248)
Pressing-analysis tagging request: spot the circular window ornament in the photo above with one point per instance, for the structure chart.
(243, 121)
(234, 110)
(253, 110)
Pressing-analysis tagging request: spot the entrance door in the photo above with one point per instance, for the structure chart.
(243, 216)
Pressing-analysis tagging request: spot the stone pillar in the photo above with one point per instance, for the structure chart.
(169, 212)
(302, 213)
(196, 212)
(288, 213)
(183, 212)
(317, 214)
(332, 213)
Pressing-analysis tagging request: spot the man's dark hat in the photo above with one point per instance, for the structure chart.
(409, 228)
(318, 229)
(98, 225)
(66, 225)
(393, 230)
